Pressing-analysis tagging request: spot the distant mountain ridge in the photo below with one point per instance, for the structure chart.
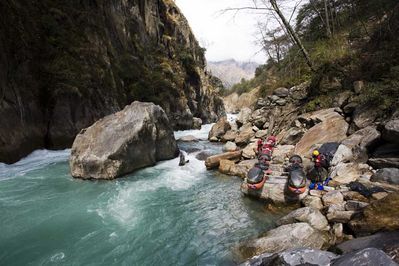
(231, 72)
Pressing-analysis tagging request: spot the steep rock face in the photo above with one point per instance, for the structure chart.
(65, 64)
(117, 144)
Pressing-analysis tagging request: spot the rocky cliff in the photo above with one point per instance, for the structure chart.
(65, 64)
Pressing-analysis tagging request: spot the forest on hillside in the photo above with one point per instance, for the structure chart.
(330, 44)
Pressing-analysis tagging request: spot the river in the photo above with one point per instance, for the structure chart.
(161, 215)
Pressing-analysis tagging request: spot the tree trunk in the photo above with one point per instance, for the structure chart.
(327, 19)
(293, 34)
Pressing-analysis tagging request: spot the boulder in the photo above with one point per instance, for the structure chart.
(293, 257)
(386, 241)
(338, 230)
(368, 256)
(245, 134)
(361, 141)
(241, 169)
(379, 195)
(281, 102)
(229, 146)
(358, 86)
(219, 129)
(249, 151)
(229, 136)
(203, 155)
(331, 128)
(281, 92)
(340, 216)
(353, 195)
(188, 138)
(342, 155)
(197, 123)
(292, 136)
(261, 134)
(354, 205)
(364, 116)
(333, 197)
(299, 92)
(389, 175)
(136, 137)
(213, 161)
(298, 235)
(344, 173)
(385, 156)
(307, 215)
(313, 202)
(281, 152)
(225, 166)
(391, 131)
(381, 215)
(244, 116)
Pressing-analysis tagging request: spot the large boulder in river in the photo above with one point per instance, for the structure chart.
(330, 127)
(219, 129)
(297, 235)
(136, 137)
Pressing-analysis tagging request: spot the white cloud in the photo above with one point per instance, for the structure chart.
(226, 35)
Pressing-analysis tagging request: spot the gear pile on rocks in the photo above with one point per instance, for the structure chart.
(362, 197)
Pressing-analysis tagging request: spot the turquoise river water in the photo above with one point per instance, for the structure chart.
(161, 215)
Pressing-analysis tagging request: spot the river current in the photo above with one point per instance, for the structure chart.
(161, 215)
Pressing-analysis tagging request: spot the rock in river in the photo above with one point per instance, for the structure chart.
(136, 137)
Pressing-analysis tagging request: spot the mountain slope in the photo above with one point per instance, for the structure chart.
(65, 64)
(231, 71)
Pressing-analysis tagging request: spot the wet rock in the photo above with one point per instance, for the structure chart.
(203, 155)
(188, 138)
(391, 131)
(229, 136)
(386, 241)
(298, 235)
(313, 202)
(281, 92)
(389, 175)
(308, 215)
(219, 129)
(136, 137)
(378, 216)
(213, 161)
(229, 146)
(331, 128)
(333, 197)
(340, 216)
(197, 123)
(368, 256)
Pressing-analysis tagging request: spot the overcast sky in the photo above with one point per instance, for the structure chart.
(224, 36)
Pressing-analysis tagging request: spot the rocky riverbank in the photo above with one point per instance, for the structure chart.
(361, 199)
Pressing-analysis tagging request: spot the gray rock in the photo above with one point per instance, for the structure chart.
(136, 137)
(366, 257)
(350, 107)
(306, 256)
(364, 116)
(219, 129)
(361, 141)
(188, 138)
(385, 156)
(391, 131)
(274, 98)
(292, 136)
(353, 205)
(386, 241)
(244, 116)
(333, 197)
(338, 230)
(313, 202)
(389, 175)
(340, 216)
(229, 136)
(308, 215)
(342, 155)
(281, 92)
(230, 146)
(298, 235)
(358, 86)
(197, 123)
(261, 134)
(281, 102)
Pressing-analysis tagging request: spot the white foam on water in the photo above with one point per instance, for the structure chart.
(198, 133)
(36, 160)
(57, 257)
